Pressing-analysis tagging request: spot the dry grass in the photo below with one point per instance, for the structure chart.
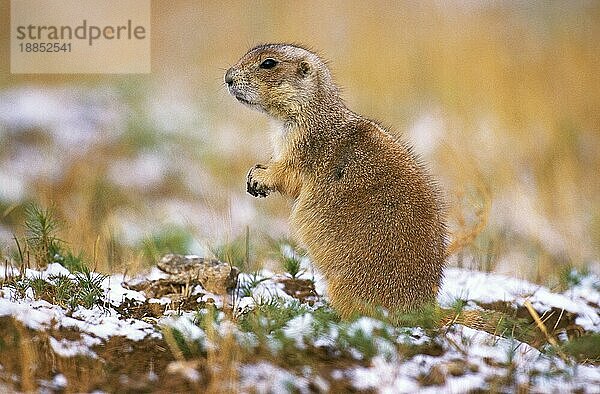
(542, 327)
(28, 357)
(223, 362)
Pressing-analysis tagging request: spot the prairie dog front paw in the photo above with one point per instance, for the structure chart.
(256, 184)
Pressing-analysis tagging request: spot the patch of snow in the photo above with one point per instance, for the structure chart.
(36, 315)
(116, 293)
(588, 289)
(384, 376)
(60, 380)
(152, 376)
(321, 384)
(66, 348)
(156, 274)
(198, 289)
(69, 120)
(298, 327)
(58, 383)
(328, 339)
(337, 374)
(366, 325)
(488, 288)
(244, 305)
(186, 326)
(106, 323)
(490, 354)
(73, 117)
(161, 300)
(355, 353)
(265, 288)
(325, 341)
(98, 322)
(53, 269)
(389, 371)
(267, 378)
(414, 335)
(56, 270)
(171, 109)
(386, 349)
(461, 384)
(242, 212)
(8, 271)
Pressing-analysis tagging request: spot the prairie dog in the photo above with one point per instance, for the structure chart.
(366, 209)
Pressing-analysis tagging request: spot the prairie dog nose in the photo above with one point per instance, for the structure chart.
(229, 77)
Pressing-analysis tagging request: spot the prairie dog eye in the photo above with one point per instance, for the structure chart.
(268, 63)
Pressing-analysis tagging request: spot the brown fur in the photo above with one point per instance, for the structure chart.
(365, 207)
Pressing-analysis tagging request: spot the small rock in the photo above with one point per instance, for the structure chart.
(302, 289)
(213, 275)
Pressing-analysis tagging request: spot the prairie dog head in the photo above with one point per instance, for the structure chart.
(285, 81)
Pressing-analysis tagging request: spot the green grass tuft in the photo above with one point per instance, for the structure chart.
(246, 288)
(235, 252)
(570, 276)
(291, 265)
(271, 315)
(73, 263)
(585, 348)
(428, 317)
(41, 234)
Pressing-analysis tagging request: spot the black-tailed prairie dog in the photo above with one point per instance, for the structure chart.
(364, 206)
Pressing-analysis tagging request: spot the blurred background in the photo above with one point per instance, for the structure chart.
(501, 99)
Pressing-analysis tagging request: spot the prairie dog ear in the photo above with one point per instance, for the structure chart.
(304, 68)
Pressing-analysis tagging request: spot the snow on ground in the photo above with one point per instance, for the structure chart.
(264, 377)
(99, 322)
(487, 288)
(74, 119)
(67, 348)
(487, 356)
(477, 354)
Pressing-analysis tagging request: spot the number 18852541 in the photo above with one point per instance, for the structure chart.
(44, 47)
